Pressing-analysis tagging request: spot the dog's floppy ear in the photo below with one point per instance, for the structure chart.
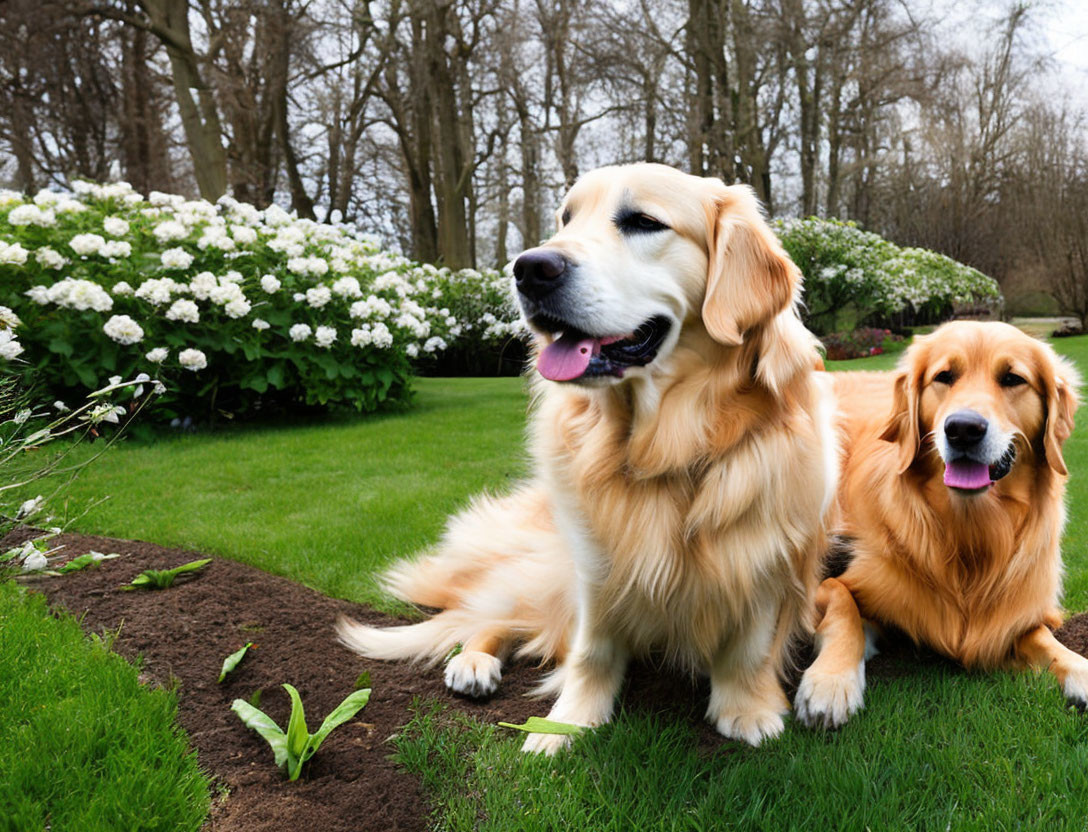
(751, 279)
(1061, 383)
(903, 427)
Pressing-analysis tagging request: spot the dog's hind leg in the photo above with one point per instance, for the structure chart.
(477, 669)
(833, 687)
(1039, 648)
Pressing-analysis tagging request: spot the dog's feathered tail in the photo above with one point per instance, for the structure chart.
(500, 568)
(429, 641)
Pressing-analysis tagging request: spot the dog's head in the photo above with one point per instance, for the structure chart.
(990, 399)
(641, 252)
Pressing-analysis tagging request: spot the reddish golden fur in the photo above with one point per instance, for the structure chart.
(976, 577)
(688, 499)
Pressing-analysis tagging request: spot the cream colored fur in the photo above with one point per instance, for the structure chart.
(678, 510)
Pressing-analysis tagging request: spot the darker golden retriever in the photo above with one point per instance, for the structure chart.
(952, 495)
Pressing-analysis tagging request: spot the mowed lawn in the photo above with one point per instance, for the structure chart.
(330, 504)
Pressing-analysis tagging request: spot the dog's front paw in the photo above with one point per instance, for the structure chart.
(473, 673)
(1075, 686)
(828, 700)
(752, 728)
(546, 744)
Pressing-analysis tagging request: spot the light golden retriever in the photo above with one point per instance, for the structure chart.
(952, 493)
(683, 448)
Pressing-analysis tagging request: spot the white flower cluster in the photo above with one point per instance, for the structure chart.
(158, 291)
(73, 293)
(192, 359)
(9, 347)
(13, 254)
(176, 258)
(308, 266)
(88, 245)
(123, 330)
(32, 215)
(376, 335)
(48, 258)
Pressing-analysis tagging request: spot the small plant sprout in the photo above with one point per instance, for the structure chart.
(164, 578)
(83, 561)
(232, 661)
(293, 748)
(538, 725)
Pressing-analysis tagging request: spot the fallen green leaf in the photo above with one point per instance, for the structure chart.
(83, 561)
(231, 661)
(539, 725)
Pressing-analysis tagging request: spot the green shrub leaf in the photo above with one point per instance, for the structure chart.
(354, 703)
(298, 736)
(260, 722)
(231, 661)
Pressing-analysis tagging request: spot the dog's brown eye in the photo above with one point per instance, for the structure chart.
(632, 222)
(566, 217)
(944, 377)
(1012, 380)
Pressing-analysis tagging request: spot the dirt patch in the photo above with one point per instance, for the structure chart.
(1074, 633)
(184, 633)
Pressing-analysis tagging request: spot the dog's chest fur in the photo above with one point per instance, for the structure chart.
(965, 582)
(680, 557)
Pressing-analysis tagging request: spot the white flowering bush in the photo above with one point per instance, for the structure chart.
(236, 308)
(489, 337)
(850, 271)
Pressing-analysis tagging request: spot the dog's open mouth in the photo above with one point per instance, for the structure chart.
(965, 474)
(576, 355)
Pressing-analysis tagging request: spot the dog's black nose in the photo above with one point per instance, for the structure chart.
(965, 428)
(539, 271)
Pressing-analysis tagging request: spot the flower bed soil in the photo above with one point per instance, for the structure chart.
(183, 634)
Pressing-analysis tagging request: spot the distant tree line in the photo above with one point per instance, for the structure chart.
(450, 127)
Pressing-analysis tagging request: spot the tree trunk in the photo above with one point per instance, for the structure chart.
(452, 168)
(144, 141)
(199, 116)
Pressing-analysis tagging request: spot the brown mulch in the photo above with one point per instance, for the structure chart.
(184, 633)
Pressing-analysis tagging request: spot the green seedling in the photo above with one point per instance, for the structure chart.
(255, 697)
(538, 725)
(363, 680)
(163, 578)
(231, 661)
(83, 561)
(293, 748)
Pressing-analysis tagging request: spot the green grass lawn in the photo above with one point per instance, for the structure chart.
(327, 504)
(84, 745)
(330, 504)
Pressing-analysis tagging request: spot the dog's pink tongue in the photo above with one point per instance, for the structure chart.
(567, 357)
(966, 473)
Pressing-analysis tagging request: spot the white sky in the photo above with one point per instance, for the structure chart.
(1056, 27)
(1067, 30)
